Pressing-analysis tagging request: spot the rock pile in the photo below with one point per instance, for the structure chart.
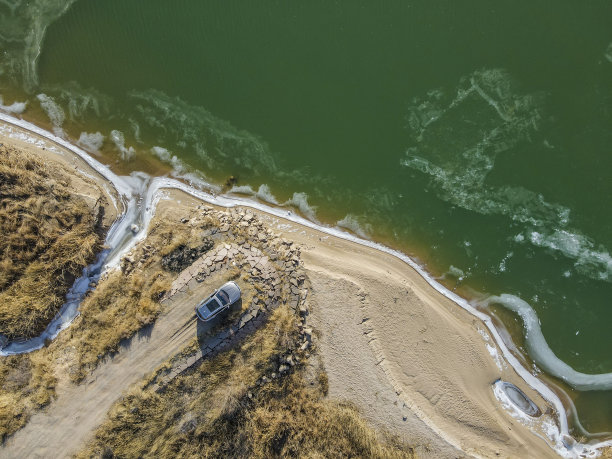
(273, 267)
(183, 256)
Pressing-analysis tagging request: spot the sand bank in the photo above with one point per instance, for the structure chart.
(410, 358)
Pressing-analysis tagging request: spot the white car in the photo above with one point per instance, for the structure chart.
(220, 300)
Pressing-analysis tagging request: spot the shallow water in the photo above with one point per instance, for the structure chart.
(476, 138)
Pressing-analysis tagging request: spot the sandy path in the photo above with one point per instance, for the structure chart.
(354, 373)
(62, 429)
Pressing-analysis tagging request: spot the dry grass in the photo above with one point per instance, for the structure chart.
(116, 310)
(26, 384)
(48, 235)
(122, 303)
(219, 411)
(126, 300)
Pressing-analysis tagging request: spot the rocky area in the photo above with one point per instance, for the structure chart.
(272, 265)
(183, 256)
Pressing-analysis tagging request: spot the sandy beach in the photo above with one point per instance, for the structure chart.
(414, 362)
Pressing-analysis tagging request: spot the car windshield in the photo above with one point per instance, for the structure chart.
(212, 305)
(224, 297)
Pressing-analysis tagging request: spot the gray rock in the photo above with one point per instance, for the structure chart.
(221, 254)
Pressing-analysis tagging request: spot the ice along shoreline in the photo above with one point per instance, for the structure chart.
(140, 193)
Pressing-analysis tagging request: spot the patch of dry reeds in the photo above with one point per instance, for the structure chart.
(27, 384)
(49, 234)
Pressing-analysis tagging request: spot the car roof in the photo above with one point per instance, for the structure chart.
(205, 309)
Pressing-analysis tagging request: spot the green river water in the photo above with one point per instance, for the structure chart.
(475, 136)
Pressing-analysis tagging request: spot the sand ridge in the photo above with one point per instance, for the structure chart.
(85, 181)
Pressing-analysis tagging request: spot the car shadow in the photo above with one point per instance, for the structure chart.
(206, 330)
(143, 334)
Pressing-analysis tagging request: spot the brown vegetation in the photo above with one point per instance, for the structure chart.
(123, 302)
(48, 235)
(117, 309)
(26, 385)
(222, 410)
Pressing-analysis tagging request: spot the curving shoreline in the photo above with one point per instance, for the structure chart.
(542, 354)
(139, 197)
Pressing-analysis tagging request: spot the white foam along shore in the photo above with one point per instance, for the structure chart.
(138, 209)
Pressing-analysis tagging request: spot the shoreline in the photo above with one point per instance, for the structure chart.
(154, 193)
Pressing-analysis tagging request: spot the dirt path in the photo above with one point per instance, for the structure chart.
(62, 429)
